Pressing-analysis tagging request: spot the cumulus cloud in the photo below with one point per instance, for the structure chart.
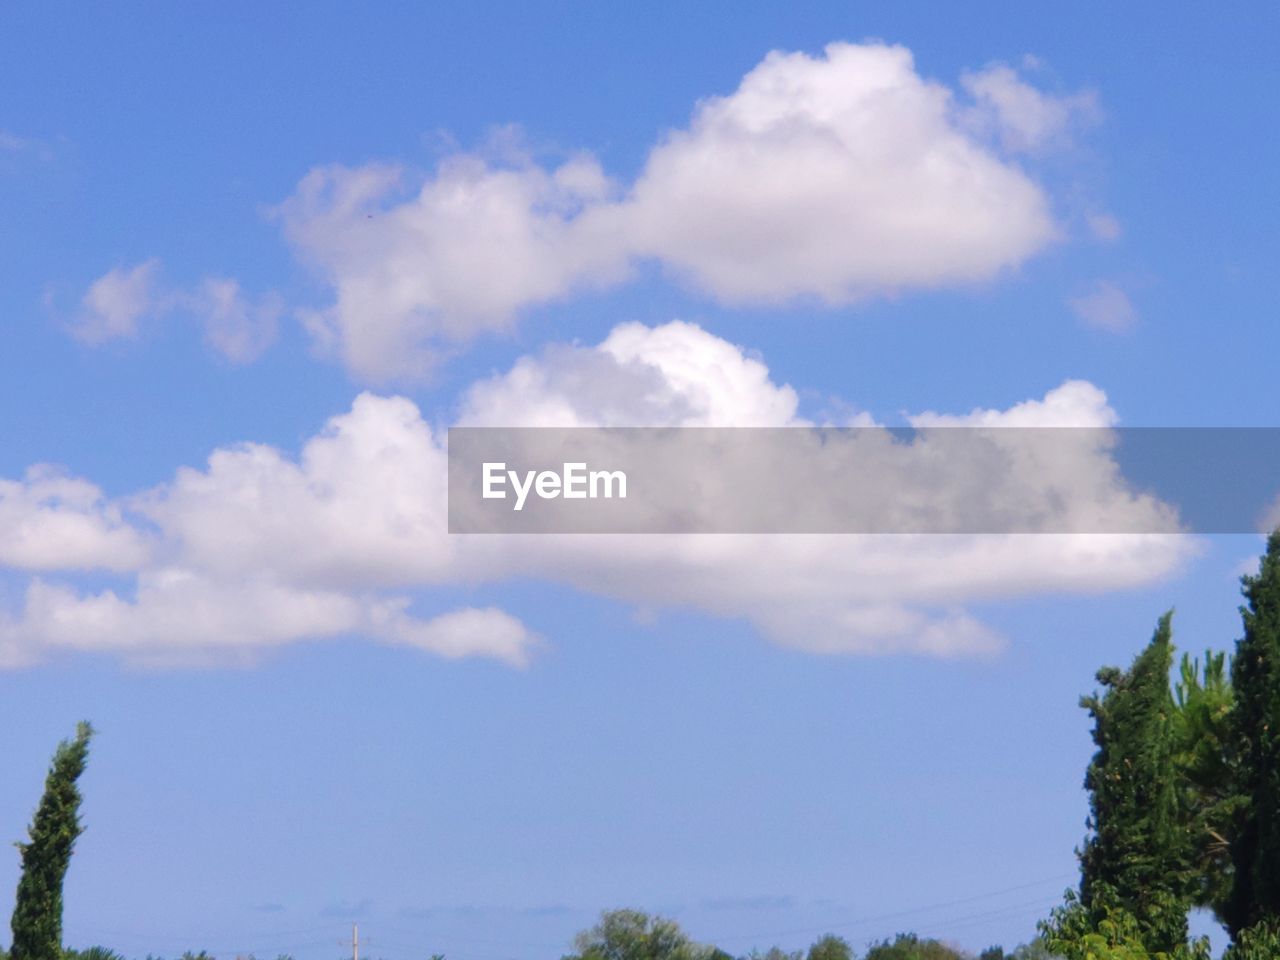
(261, 548)
(120, 301)
(52, 521)
(1106, 307)
(832, 178)
(470, 246)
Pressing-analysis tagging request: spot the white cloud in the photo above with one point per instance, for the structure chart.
(832, 177)
(1107, 307)
(1025, 119)
(116, 302)
(673, 375)
(459, 257)
(259, 549)
(1270, 519)
(235, 326)
(52, 521)
(835, 177)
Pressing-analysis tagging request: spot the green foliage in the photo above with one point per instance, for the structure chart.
(1204, 760)
(1256, 943)
(92, 953)
(774, 953)
(633, 935)
(908, 946)
(1255, 840)
(1036, 950)
(1137, 855)
(830, 947)
(37, 913)
(1075, 933)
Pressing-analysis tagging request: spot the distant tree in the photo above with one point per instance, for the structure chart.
(908, 946)
(92, 953)
(1255, 844)
(634, 935)
(1136, 856)
(775, 953)
(1035, 950)
(37, 912)
(830, 947)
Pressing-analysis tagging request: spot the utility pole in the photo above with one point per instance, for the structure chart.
(355, 941)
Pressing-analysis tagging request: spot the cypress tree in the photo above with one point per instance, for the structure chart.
(1255, 675)
(37, 913)
(1206, 775)
(1135, 858)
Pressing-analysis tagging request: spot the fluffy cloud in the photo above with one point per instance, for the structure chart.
(832, 177)
(259, 548)
(460, 256)
(51, 521)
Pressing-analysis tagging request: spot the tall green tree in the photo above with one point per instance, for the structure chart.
(1136, 856)
(1206, 776)
(37, 913)
(1255, 675)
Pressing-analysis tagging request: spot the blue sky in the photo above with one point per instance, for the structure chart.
(316, 709)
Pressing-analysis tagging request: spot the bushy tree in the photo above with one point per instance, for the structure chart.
(1255, 842)
(830, 947)
(1077, 933)
(1136, 856)
(634, 935)
(37, 912)
(908, 946)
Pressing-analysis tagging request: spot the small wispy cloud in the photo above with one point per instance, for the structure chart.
(348, 909)
(1104, 227)
(12, 143)
(121, 301)
(749, 903)
(1106, 307)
